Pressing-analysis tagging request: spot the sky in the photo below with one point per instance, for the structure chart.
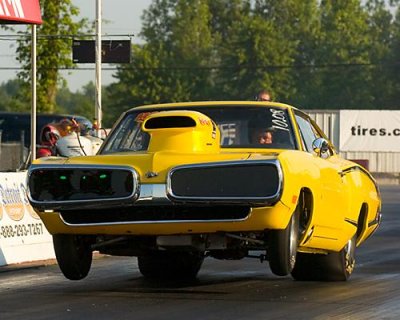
(120, 17)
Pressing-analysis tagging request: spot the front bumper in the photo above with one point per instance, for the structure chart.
(162, 209)
(258, 219)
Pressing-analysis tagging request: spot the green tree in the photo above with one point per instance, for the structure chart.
(274, 36)
(172, 64)
(386, 86)
(381, 33)
(342, 56)
(235, 43)
(311, 53)
(305, 31)
(349, 66)
(76, 103)
(9, 92)
(193, 45)
(53, 51)
(215, 50)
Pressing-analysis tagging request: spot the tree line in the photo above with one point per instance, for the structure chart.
(314, 54)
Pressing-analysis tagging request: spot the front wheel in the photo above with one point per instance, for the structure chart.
(282, 247)
(335, 266)
(73, 254)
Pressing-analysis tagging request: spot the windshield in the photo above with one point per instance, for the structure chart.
(240, 127)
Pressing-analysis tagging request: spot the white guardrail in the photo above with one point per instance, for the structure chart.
(23, 236)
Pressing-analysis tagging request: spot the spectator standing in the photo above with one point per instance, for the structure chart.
(263, 95)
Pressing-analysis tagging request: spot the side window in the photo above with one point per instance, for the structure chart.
(307, 131)
(230, 133)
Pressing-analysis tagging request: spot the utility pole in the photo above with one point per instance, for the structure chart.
(33, 88)
(98, 111)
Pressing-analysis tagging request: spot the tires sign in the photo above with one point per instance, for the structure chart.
(370, 130)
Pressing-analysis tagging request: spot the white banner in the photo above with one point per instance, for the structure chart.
(23, 236)
(369, 130)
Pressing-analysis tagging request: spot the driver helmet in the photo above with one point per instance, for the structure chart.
(49, 135)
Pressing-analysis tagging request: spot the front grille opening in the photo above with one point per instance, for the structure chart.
(170, 122)
(260, 180)
(151, 213)
(80, 184)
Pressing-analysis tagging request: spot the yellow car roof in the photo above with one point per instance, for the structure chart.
(214, 103)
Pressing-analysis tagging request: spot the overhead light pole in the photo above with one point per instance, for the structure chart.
(98, 110)
(33, 89)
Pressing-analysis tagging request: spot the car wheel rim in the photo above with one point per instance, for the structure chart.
(349, 256)
(293, 243)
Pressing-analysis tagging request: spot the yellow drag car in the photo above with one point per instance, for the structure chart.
(175, 183)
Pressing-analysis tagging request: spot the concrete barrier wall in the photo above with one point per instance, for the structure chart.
(23, 236)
